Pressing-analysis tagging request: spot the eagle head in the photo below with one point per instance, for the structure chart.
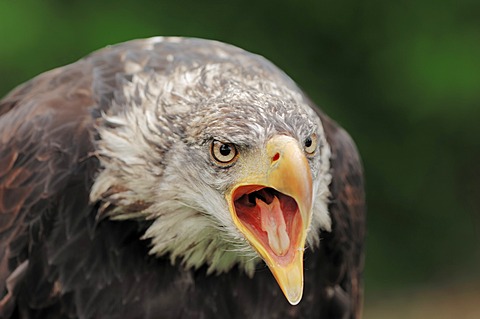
(221, 152)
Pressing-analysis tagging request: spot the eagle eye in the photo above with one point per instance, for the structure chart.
(224, 154)
(310, 144)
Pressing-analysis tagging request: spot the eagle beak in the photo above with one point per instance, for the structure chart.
(271, 206)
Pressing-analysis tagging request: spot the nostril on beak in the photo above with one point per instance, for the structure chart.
(275, 157)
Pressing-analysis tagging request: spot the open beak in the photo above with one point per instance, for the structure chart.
(271, 205)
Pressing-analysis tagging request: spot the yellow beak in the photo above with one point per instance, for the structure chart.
(271, 205)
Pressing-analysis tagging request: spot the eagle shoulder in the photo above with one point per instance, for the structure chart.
(45, 127)
(344, 245)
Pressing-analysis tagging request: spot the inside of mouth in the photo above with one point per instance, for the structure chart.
(272, 217)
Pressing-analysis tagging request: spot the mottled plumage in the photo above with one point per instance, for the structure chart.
(111, 205)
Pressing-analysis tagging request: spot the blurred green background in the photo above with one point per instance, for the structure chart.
(403, 78)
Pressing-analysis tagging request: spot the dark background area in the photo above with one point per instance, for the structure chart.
(402, 78)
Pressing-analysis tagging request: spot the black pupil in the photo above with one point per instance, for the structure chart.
(308, 142)
(225, 149)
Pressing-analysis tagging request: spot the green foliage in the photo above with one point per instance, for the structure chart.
(402, 78)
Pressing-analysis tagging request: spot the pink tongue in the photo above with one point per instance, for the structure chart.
(273, 223)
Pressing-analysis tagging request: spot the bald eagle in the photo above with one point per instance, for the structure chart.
(176, 178)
